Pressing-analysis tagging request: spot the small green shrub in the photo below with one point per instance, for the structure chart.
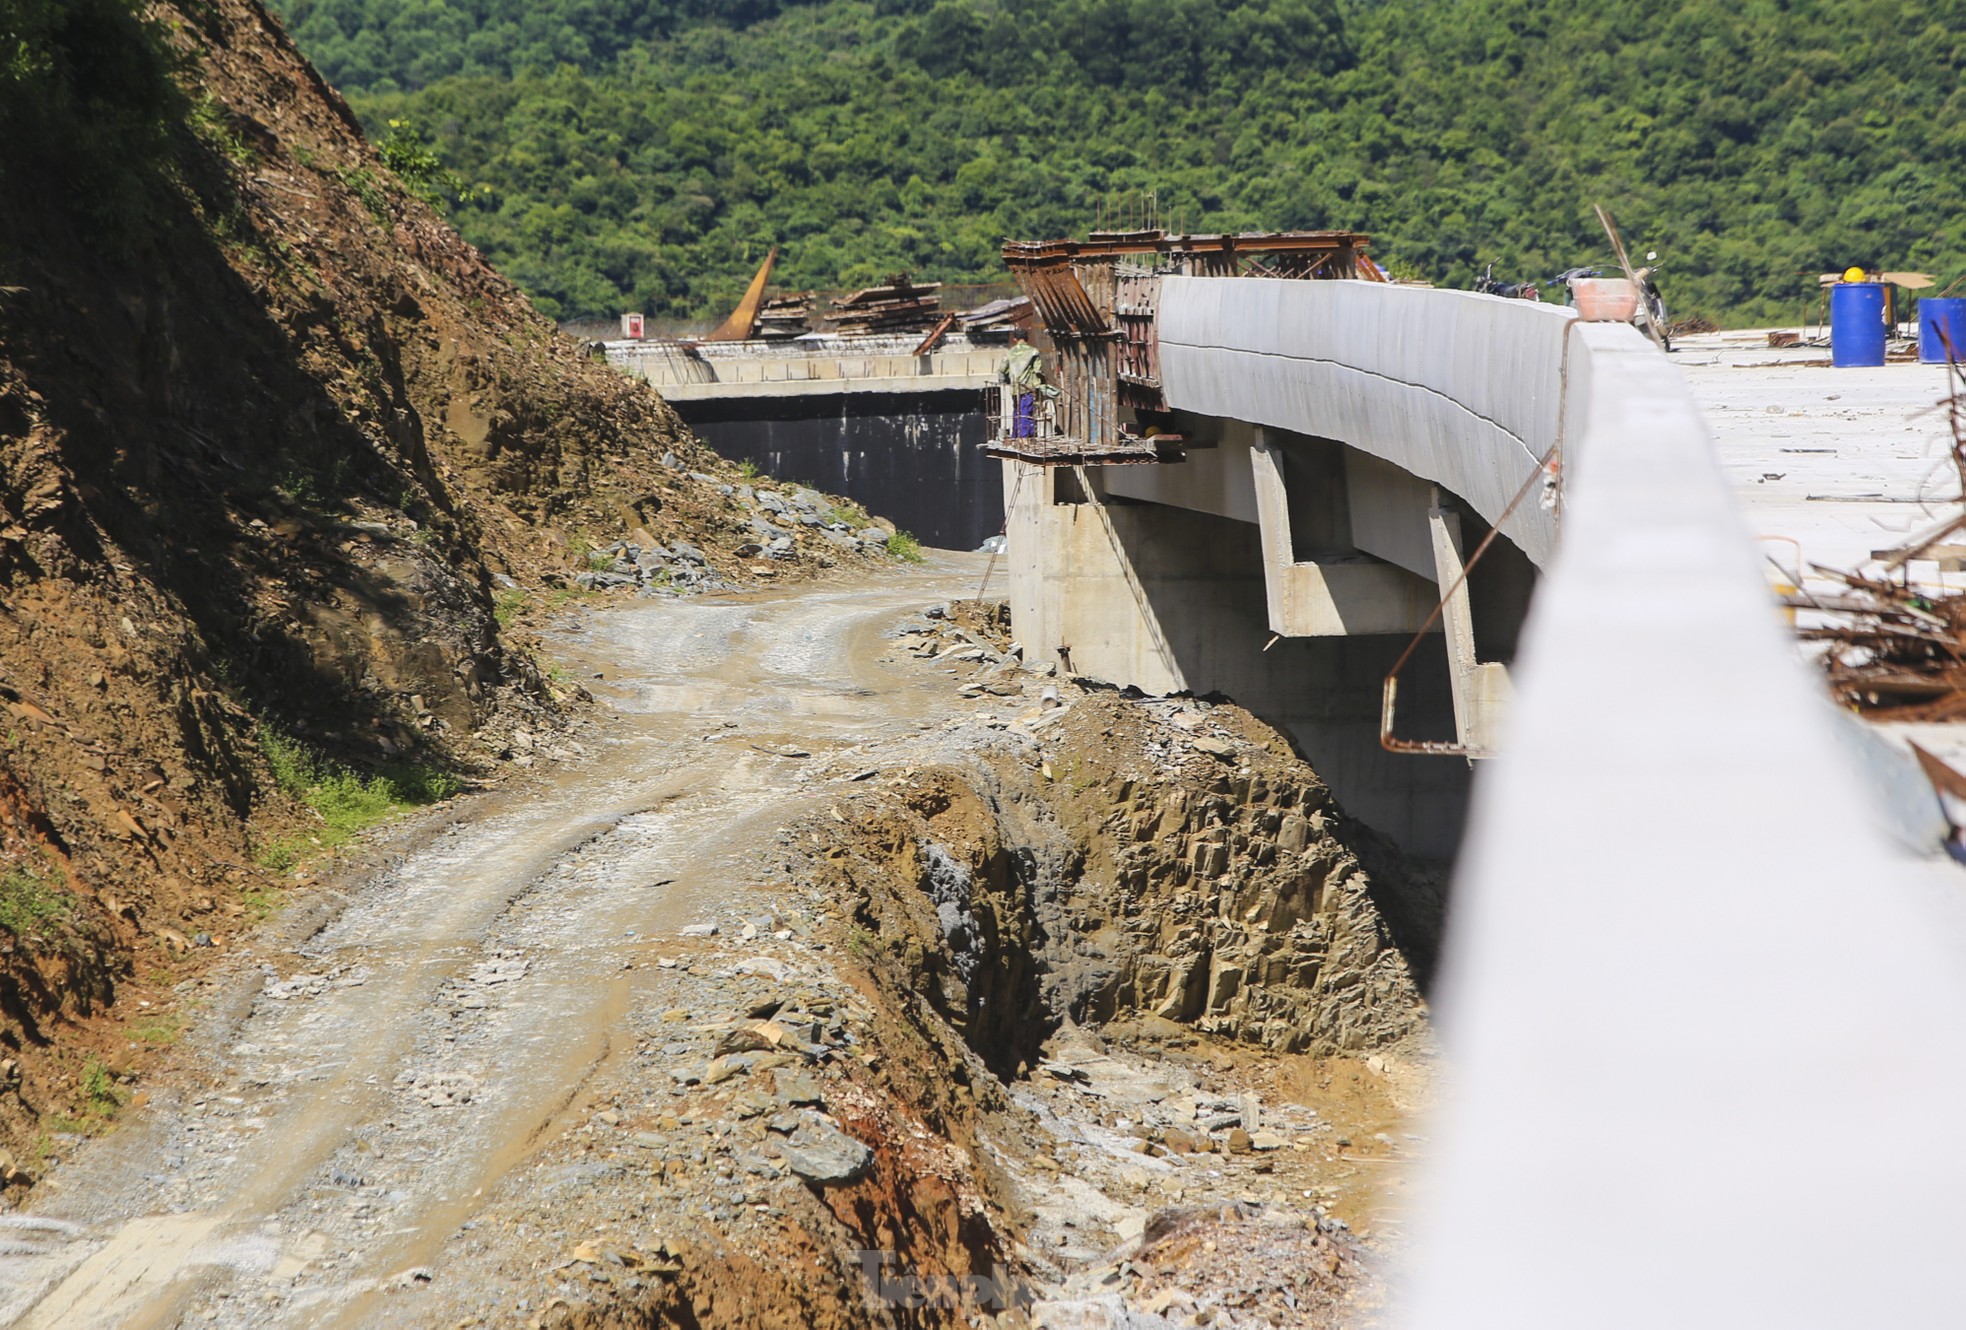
(361, 183)
(748, 469)
(406, 152)
(99, 1089)
(211, 123)
(904, 547)
(160, 1030)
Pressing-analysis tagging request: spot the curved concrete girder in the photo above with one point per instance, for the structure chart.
(1463, 390)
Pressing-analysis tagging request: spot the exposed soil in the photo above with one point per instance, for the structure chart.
(274, 443)
(912, 1077)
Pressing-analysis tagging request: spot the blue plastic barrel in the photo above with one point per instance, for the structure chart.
(1934, 313)
(1856, 323)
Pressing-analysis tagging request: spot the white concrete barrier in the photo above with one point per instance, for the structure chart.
(1707, 1028)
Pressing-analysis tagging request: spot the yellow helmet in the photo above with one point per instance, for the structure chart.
(1854, 274)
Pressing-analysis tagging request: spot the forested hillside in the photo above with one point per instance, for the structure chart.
(644, 153)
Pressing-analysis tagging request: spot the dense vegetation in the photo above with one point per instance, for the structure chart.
(87, 99)
(644, 153)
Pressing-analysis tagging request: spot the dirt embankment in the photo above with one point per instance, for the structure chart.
(274, 443)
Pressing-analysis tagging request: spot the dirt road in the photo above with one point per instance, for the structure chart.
(367, 1084)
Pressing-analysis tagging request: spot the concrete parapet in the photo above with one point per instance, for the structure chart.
(803, 367)
(1681, 963)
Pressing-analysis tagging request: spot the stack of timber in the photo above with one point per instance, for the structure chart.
(783, 317)
(899, 307)
(993, 322)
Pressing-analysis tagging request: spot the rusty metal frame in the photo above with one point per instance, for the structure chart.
(1098, 301)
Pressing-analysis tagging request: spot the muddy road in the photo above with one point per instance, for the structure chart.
(358, 1079)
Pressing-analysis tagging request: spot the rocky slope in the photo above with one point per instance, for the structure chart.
(993, 1051)
(278, 453)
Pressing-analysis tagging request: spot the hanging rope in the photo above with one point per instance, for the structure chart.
(1003, 534)
(1544, 470)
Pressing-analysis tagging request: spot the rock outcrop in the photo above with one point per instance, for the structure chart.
(1173, 861)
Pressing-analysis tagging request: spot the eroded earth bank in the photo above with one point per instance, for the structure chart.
(836, 972)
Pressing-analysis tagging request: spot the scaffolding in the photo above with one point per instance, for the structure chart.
(1097, 302)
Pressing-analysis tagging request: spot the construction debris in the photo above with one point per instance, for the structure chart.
(1891, 646)
(899, 307)
(784, 317)
(994, 321)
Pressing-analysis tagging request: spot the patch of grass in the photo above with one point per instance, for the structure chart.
(849, 514)
(860, 944)
(904, 547)
(261, 901)
(31, 899)
(160, 1030)
(279, 856)
(748, 469)
(346, 801)
(564, 595)
(361, 183)
(507, 604)
(100, 1100)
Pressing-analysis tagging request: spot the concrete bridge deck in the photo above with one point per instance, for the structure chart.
(1704, 1014)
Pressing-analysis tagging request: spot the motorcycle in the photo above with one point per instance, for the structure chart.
(1488, 286)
